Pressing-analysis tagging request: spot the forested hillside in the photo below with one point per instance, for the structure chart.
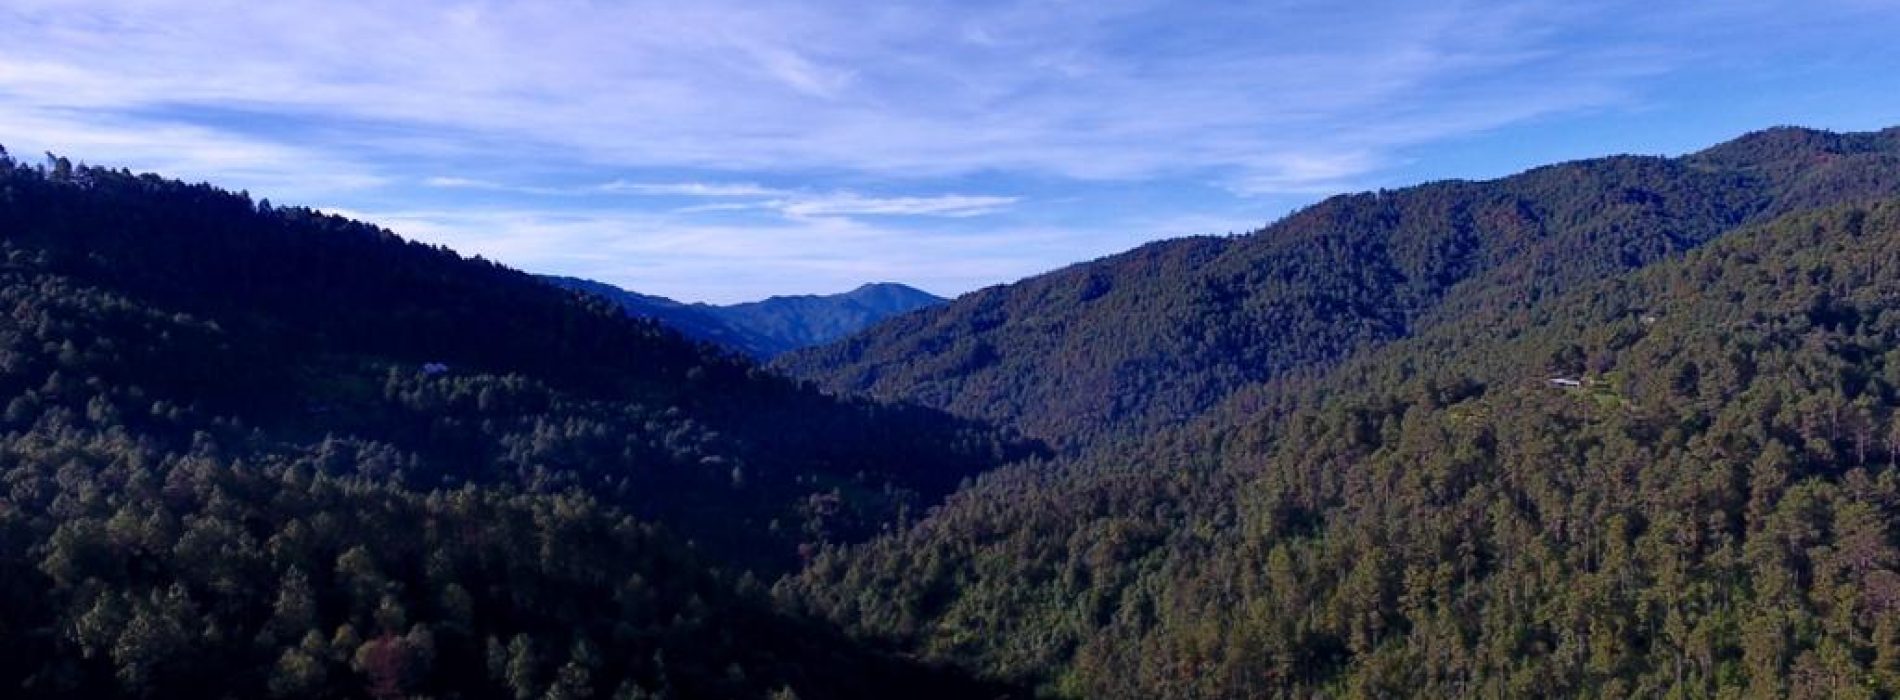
(254, 451)
(1711, 511)
(1119, 347)
(1625, 427)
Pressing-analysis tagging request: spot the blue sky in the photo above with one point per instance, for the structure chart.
(725, 151)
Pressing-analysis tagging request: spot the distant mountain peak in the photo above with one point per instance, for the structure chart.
(890, 286)
(771, 326)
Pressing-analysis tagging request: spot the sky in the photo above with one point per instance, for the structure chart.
(724, 151)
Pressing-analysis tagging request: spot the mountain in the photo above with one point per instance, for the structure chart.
(1110, 350)
(258, 451)
(792, 322)
(697, 321)
(768, 328)
(1708, 506)
(1620, 427)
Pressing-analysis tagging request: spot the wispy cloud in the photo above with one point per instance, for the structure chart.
(804, 205)
(1119, 90)
(184, 149)
(692, 259)
(847, 204)
(823, 115)
(463, 183)
(691, 189)
(788, 202)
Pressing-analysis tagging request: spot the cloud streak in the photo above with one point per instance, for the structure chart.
(787, 202)
(724, 263)
(1120, 90)
(848, 204)
(691, 189)
(819, 117)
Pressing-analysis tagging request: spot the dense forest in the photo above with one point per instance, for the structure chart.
(1674, 482)
(252, 450)
(1626, 427)
(1116, 348)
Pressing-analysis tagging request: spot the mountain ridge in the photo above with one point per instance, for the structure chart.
(768, 327)
(1626, 426)
(1707, 509)
(1111, 349)
(265, 451)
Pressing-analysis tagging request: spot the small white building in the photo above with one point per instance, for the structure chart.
(1565, 382)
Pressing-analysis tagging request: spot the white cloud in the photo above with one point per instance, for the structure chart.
(693, 260)
(1108, 90)
(801, 205)
(1304, 173)
(691, 189)
(462, 183)
(847, 204)
(184, 150)
(961, 142)
(790, 203)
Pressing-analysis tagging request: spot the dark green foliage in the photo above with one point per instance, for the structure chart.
(1122, 346)
(310, 327)
(250, 451)
(132, 570)
(1325, 459)
(1714, 512)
